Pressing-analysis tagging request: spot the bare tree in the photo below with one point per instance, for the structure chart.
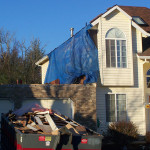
(17, 60)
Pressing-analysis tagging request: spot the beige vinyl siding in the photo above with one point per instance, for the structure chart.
(44, 70)
(115, 76)
(134, 94)
(135, 106)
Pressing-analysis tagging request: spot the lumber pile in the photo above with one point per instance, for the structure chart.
(38, 120)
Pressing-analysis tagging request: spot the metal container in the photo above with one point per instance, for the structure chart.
(13, 139)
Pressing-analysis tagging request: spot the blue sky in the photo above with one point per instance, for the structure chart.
(51, 20)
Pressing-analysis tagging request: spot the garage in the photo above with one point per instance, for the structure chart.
(5, 105)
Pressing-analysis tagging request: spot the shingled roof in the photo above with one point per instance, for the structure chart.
(142, 12)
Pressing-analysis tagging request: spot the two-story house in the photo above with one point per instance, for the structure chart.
(123, 89)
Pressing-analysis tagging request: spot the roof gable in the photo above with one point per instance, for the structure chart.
(130, 11)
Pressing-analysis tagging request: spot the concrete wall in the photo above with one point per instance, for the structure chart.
(83, 97)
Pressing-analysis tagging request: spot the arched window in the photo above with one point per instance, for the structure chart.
(116, 49)
(148, 78)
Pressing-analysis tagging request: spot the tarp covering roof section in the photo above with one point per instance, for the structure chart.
(76, 57)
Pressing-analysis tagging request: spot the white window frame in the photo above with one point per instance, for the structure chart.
(116, 39)
(116, 110)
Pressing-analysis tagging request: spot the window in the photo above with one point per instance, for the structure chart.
(116, 107)
(116, 49)
(139, 20)
(148, 78)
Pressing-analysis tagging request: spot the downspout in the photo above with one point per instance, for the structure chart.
(143, 87)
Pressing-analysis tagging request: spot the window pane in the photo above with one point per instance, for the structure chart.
(112, 53)
(124, 54)
(121, 96)
(123, 43)
(110, 107)
(112, 42)
(118, 48)
(123, 48)
(121, 107)
(107, 53)
(113, 57)
(113, 62)
(124, 59)
(118, 53)
(115, 33)
(122, 116)
(110, 116)
(119, 65)
(118, 43)
(148, 72)
(148, 82)
(124, 65)
(118, 62)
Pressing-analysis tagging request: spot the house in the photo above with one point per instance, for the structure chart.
(123, 90)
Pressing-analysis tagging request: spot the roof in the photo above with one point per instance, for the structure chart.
(142, 12)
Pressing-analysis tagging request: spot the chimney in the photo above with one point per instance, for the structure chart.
(71, 29)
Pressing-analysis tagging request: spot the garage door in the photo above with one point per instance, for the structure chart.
(5, 106)
(64, 106)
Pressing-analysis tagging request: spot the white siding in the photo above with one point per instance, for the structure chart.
(44, 70)
(115, 76)
(135, 106)
(127, 81)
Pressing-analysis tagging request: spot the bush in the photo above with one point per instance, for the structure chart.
(122, 133)
(147, 137)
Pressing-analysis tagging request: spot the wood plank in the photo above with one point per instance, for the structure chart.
(45, 128)
(32, 128)
(38, 120)
(51, 122)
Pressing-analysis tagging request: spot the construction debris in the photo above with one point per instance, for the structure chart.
(38, 120)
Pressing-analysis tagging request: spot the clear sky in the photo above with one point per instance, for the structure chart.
(51, 20)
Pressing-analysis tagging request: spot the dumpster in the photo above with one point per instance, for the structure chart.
(46, 130)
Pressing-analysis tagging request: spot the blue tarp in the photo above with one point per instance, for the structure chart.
(76, 57)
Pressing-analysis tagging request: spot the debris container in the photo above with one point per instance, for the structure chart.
(13, 139)
(37, 128)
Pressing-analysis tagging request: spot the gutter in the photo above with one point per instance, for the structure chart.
(40, 62)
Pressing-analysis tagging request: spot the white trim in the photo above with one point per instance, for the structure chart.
(112, 9)
(144, 57)
(139, 28)
(41, 60)
(95, 22)
(132, 22)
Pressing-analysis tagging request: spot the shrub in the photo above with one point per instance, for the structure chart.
(122, 132)
(147, 137)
